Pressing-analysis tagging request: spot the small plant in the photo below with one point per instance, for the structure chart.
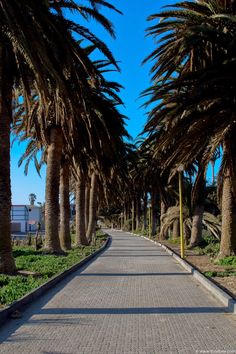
(228, 261)
(226, 273)
(175, 241)
(212, 249)
(29, 239)
(145, 232)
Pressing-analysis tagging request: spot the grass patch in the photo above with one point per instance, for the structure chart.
(229, 261)
(138, 232)
(210, 246)
(211, 250)
(46, 266)
(174, 241)
(226, 273)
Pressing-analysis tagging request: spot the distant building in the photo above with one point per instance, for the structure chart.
(25, 218)
(19, 218)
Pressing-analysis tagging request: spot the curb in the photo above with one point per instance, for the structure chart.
(42, 289)
(216, 291)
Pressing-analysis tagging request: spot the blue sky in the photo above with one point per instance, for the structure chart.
(129, 48)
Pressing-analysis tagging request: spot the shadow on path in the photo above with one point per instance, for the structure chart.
(135, 255)
(131, 274)
(130, 311)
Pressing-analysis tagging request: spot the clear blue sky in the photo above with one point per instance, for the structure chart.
(130, 48)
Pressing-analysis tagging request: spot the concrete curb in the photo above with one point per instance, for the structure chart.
(36, 293)
(228, 301)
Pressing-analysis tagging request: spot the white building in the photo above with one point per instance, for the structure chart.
(19, 218)
(25, 218)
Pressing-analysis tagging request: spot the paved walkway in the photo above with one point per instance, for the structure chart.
(134, 298)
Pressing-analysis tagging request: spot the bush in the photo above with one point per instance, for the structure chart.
(225, 273)
(230, 261)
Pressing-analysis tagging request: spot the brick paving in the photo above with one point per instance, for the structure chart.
(134, 298)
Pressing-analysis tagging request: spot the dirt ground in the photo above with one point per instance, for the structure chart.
(205, 264)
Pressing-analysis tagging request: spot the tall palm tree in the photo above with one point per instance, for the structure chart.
(65, 212)
(54, 150)
(92, 206)
(22, 51)
(81, 238)
(7, 264)
(198, 201)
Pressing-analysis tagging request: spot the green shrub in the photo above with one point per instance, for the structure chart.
(211, 249)
(228, 261)
(225, 273)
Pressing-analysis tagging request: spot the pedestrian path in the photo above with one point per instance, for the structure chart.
(134, 298)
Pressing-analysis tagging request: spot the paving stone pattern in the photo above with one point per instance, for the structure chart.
(134, 298)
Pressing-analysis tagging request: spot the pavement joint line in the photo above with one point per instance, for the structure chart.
(215, 290)
(27, 299)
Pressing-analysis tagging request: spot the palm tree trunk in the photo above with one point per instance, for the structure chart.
(65, 238)
(175, 230)
(87, 197)
(132, 215)
(125, 213)
(163, 208)
(187, 234)
(92, 207)
(52, 242)
(126, 216)
(80, 238)
(154, 202)
(196, 231)
(7, 263)
(137, 214)
(228, 237)
(145, 211)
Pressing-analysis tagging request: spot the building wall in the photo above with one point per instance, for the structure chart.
(25, 218)
(18, 226)
(35, 216)
(19, 218)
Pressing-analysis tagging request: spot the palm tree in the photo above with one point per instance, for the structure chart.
(7, 264)
(81, 238)
(198, 201)
(87, 199)
(32, 198)
(22, 51)
(54, 153)
(92, 206)
(64, 234)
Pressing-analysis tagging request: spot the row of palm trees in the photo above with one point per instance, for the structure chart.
(54, 96)
(191, 121)
(192, 75)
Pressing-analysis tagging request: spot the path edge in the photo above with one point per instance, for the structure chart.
(42, 289)
(215, 290)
